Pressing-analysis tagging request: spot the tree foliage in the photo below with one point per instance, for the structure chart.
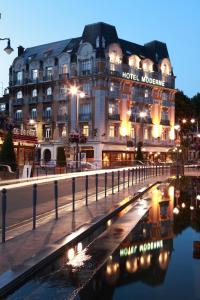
(7, 154)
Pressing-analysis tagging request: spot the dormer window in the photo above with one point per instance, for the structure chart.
(97, 42)
(103, 42)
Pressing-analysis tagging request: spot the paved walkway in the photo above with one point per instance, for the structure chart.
(28, 248)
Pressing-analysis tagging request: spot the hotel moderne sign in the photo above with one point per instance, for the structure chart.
(144, 79)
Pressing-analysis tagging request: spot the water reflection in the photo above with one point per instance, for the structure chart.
(146, 253)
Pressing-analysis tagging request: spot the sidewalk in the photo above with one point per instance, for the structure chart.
(19, 255)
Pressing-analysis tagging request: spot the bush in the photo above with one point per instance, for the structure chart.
(61, 157)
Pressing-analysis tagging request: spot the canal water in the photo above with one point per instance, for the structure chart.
(156, 260)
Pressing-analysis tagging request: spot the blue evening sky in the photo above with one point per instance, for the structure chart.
(175, 22)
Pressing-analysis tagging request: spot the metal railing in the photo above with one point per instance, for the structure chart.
(76, 189)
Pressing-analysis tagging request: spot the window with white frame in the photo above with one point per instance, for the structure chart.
(48, 132)
(49, 91)
(34, 74)
(85, 108)
(19, 95)
(2, 107)
(34, 113)
(86, 66)
(49, 72)
(87, 88)
(113, 109)
(164, 135)
(132, 133)
(47, 112)
(18, 115)
(86, 130)
(19, 76)
(146, 93)
(111, 131)
(146, 134)
(97, 42)
(34, 93)
(64, 69)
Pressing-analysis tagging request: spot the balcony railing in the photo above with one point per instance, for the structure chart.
(165, 122)
(48, 78)
(47, 118)
(64, 76)
(47, 98)
(17, 119)
(62, 118)
(33, 100)
(136, 119)
(84, 117)
(18, 101)
(114, 117)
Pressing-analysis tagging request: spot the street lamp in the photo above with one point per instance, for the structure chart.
(8, 49)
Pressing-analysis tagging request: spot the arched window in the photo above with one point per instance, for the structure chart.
(33, 113)
(134, 61)
(165, 67)
(49, 91)
(34, 93)
(47, 154)
(19, 95)
(147, 65)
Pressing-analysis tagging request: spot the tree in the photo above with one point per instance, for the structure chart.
(7, 154)
(61, 157)
(139, 154)
(183, 107)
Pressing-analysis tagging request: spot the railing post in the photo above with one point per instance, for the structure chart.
(118, 179)
(34, 204)
(128, 177)
(124, 179)
(139, 174)
(4, 208)
(132, 175)
(136, 174)
(112, 182)
(163, 169)
(56, 198)
(105, 184)
(156, 170)
(86, 190)
(96, 181)
(73, 193)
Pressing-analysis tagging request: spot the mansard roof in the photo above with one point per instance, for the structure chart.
(154, 50)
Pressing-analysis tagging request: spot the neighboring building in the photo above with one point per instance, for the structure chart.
(129, 95)
(4, 104)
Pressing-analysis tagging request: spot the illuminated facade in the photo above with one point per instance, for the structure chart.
(128, 95)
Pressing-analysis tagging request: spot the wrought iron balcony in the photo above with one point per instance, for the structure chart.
(84, 117)
(165, 122)
(18, 102)
(114, 117)
(33, 100)
(46, 118)
(62, 118)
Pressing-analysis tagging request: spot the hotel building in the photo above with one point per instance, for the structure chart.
(115, 92)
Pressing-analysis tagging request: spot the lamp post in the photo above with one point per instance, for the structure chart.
(75, 136)
(8, 49)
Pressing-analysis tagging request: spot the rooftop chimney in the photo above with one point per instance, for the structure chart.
(20, 50)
